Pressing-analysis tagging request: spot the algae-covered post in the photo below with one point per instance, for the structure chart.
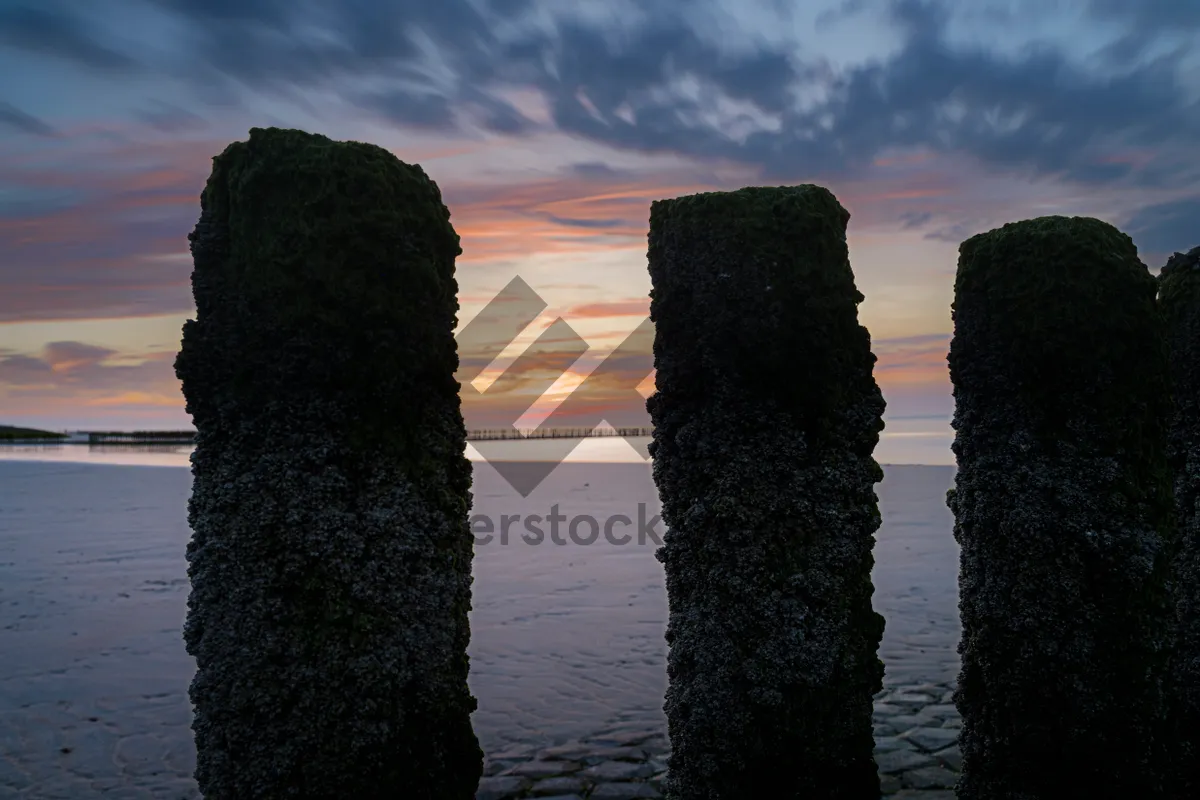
(1063, 512)
(331, 555)
(1179, 300)
(766, 417)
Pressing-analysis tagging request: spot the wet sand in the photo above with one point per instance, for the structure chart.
(566, 639)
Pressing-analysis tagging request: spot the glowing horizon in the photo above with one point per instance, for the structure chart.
(550, 128)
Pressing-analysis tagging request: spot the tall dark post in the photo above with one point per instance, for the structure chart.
(1179, 300)
(1064, 512)
(331, 555)
(766, 416)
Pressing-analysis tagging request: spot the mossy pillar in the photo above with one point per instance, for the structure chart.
(766, 416)
(331, 555)
(1179, 300)
(1063, 512)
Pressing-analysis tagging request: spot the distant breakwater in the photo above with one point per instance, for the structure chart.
(189, 437)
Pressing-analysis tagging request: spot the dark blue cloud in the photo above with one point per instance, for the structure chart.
(911, 220)
(416, 109)
(954, 233)
(1040, 113)
(222, 12)
(594, 224)
(650, 57)
(494, 113)
(47, 28)
(1165, 228)
(15, 118)
(1177, 16)
(595, 169)
(170, 118)
(25, 201)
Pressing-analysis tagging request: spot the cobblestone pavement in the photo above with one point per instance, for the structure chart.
(916, 732)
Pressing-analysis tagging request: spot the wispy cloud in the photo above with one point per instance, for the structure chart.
(16, 119)
(551, 127)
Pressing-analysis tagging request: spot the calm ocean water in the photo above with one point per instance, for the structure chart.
(602, 450)
(905, 441)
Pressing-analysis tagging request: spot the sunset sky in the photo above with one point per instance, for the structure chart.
(550, 127)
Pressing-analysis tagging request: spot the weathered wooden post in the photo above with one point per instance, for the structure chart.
(766, 416)
(331, 555)
(1179, 300)
(1064, 513)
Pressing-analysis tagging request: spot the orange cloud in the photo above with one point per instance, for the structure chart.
(639, 307)
(912, 360)
(564, 214)
(136, 398)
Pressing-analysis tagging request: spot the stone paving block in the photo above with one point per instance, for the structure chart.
(618, 771)
(599, 753)
(902, 760)
(884, 744)
(941, 710)
(559, 785)
(514, 752)
(543, 769)
(624, 791)
(929, 778)
(625, 738)
(931, 738)
(501, 787)
(567, 750)
(180, 789)
(904, 722)
(658, 745)
(951, 757)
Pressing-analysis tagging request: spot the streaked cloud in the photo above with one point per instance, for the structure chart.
(550, 127)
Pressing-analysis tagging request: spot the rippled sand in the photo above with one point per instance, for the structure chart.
(565, 638)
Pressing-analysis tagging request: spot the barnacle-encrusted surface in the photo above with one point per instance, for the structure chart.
(331, 556)
(1179, 300)
(1064, 513)
(766, 417)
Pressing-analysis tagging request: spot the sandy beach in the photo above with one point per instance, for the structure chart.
(567, 639)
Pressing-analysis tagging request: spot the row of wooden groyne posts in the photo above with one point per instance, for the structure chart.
(1076, 378)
